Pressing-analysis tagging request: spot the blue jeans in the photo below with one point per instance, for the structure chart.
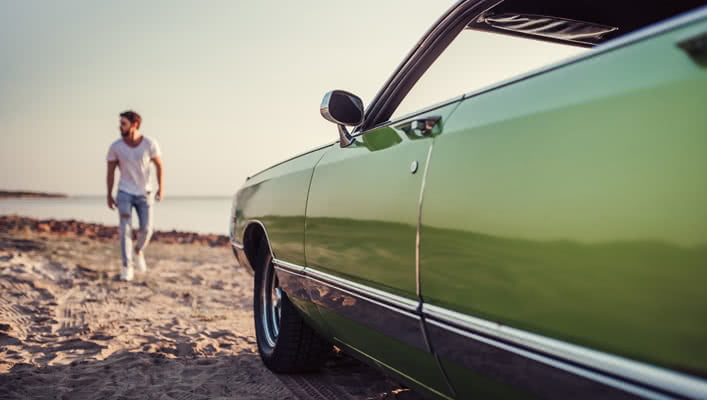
(143, 206)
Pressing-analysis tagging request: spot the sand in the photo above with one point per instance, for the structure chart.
(184, 330)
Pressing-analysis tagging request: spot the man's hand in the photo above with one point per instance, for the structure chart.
(159, 196)
(111, 202)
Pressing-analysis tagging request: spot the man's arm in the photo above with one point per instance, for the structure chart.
(160, 176)
(109, 181)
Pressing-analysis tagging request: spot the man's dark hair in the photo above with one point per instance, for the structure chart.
(133, 117)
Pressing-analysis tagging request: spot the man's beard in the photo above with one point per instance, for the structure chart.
(124, 134)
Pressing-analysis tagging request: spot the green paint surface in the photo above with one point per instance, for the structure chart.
(277, 197)
(574, 205)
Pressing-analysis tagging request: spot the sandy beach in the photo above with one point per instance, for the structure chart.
(184, 330)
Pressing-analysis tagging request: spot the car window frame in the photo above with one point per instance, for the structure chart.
(432, 44)
(445, 30)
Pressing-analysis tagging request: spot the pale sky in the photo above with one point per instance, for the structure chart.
(227, 88)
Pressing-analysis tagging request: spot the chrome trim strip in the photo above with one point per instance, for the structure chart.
(566, 356)
(393, 315)
(662, 379)
(400, 302)
(578, 371)
(381, 316)
(363, 297)
(289, 271)
(290, 267)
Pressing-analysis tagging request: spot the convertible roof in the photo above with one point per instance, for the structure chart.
(577, 22)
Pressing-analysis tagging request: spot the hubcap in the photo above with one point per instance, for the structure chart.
(271, 310)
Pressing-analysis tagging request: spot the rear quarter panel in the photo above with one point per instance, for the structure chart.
(574, 204)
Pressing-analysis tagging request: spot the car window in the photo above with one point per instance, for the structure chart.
(478, 59)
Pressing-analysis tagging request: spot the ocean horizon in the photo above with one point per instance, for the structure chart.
(201, 214)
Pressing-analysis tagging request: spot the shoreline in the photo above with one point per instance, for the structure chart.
(95, 231)
(21, 194)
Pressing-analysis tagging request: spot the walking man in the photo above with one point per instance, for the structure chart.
(133, 153)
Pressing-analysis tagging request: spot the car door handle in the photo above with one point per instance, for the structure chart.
(424, 126)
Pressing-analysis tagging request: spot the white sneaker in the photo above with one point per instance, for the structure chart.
(140, 262)
(127, 273)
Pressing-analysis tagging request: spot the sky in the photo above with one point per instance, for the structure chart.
(227, 88)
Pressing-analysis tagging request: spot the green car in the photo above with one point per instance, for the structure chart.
(543, 237)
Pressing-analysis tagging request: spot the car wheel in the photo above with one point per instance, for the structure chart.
(285, 342)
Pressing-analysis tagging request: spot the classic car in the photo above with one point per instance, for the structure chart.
(542, 237)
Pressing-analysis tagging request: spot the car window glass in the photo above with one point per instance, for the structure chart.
(478, 59)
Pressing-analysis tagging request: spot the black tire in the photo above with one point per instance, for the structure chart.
(296, 347)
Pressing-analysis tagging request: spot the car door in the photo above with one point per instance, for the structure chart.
(360, 243)
(363, 209)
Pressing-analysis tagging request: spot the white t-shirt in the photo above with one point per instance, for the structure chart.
(134, 164)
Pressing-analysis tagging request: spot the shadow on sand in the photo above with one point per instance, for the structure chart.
(140, 375)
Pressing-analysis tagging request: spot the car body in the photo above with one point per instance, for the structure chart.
(542, 237)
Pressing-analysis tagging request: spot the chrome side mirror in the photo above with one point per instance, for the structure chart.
(343, 109)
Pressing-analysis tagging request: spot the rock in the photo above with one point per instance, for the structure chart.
(103, 232)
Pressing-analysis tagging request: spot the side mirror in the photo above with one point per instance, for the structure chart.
(343, 109)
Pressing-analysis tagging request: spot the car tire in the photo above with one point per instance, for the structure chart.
(286, 343)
